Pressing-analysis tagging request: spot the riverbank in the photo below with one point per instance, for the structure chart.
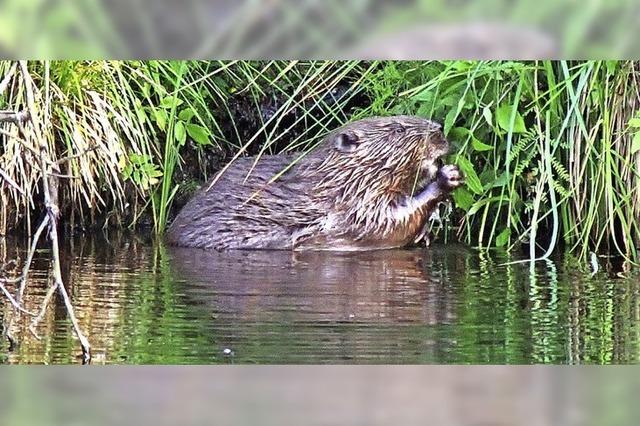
(551, 149)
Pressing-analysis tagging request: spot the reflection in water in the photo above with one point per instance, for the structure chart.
(145, 303)
(316, 307)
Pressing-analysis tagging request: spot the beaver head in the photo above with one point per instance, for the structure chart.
(376, 157)
(361, 175)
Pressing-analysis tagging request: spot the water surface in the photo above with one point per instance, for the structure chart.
(140, 302)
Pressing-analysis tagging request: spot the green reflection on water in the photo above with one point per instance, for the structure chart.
(141, 304)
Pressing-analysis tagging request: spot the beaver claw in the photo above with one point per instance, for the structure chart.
(450, 177)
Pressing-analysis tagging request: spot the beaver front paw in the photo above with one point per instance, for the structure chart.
(450, 177)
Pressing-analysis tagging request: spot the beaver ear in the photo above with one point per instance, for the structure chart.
(346, 142)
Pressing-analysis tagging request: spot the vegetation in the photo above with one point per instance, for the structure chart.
(550, 150)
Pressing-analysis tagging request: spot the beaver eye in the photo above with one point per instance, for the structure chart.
(398, 130)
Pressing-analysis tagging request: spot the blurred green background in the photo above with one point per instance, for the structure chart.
(311, 29)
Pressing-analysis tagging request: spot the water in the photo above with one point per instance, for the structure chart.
(140, 302)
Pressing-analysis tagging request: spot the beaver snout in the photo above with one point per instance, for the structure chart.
(438, 139)
(437, 145)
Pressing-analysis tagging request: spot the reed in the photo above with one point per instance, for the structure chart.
(550, 150)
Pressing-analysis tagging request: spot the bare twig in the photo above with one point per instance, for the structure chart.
(48, 169)
(52, 214)
(32, 250)
(10, 181)
(58, 175)
(20, 141)
(7, 78)
(43, 309)
(80, 154)
(14, 117)
(22, 279)
(13, 301)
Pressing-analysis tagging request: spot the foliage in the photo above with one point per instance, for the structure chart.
(547, 148)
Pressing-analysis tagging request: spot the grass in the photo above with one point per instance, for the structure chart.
(551, 150)
(547, 147)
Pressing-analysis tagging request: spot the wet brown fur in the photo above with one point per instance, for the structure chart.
(354, 191)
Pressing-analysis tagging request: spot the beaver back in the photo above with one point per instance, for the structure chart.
(242, 209)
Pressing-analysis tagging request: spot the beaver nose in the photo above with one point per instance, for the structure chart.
(438, 138)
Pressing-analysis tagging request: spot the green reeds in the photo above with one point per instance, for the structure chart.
(549, 149)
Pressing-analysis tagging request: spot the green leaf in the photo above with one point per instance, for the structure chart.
(180, 133)
(612, 66)
(472, 181)
(168, 101)
(480, 146)
(462, 65)
(199, 134)
(635, 144)
(424, 96)
(463, 132)
(161, 118)
(155, 173)
(459, 132)
(186, 114)
(425, 110)
(127, 171)
(449, 119)
(146, 90)
(483, 202)
(450, 100)
(503, 116)
(488, 116)
(462, 198)
(175, 66)
(220, 83)
(634, 122)
(503, 237)
(151, 170)
(142, 115)
(500, 181)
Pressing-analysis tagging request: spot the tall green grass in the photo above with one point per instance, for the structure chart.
(550, 150)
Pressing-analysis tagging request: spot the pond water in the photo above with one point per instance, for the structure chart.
(144, 303)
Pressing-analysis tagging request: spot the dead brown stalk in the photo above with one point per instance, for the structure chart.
(48, 170)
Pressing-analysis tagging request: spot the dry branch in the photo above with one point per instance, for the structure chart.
(13, 301)
(7, 78)
(32, 250)
(48, 170)
(14, 117)
(52, 213)
(10, 181)
(74, 156)
(22, 142)
(43, 309)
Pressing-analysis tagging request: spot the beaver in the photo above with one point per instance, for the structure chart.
(371, 184)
